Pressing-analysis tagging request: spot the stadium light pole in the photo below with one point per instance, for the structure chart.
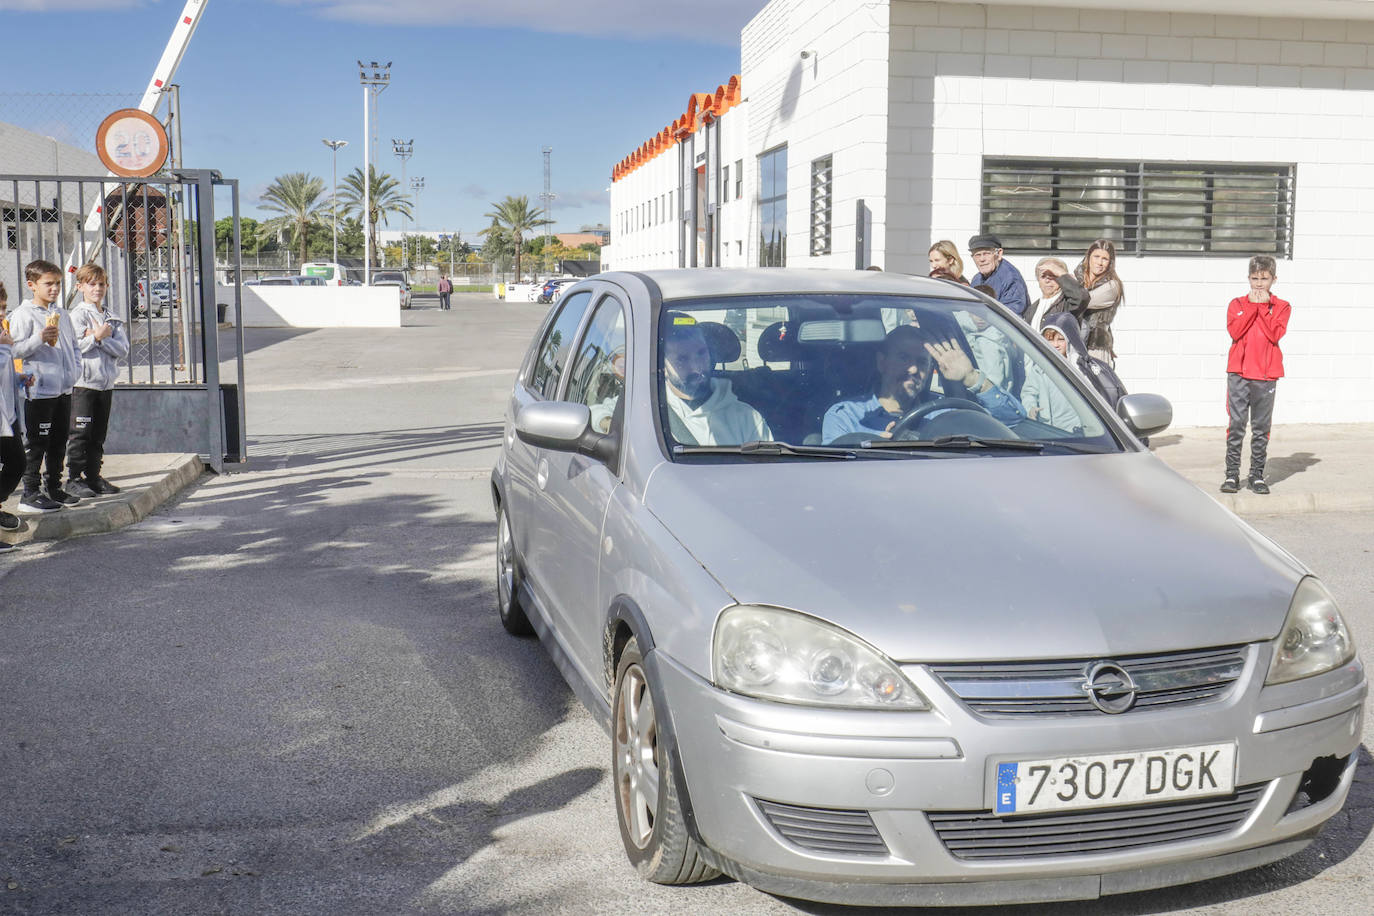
(417, 184)
(375, 78)
(335, 145)
(403, 149)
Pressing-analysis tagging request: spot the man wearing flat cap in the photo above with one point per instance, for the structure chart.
(1008, 286)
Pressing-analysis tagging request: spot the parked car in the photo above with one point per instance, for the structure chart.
(553, 288)
(396, 278)
(293, 280)
(156, 296)
(864, 630)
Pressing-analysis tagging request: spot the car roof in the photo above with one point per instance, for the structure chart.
(706, 282)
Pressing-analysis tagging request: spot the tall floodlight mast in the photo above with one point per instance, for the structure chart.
(375, 78)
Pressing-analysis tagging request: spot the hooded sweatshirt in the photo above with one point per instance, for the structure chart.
(1098, 374)
(11, 395)
(99, 358)
(55, 369)
(989, 347)
(722, 420)
(1043, 395)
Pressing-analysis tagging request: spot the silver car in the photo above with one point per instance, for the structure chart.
(881, 603)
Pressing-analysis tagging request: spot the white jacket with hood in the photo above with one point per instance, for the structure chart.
(723, 419)
(99, 358)
(55, 369)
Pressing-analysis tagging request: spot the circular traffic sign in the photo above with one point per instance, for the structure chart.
(131, 143)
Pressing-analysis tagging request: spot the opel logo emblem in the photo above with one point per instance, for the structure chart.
(1109, 687)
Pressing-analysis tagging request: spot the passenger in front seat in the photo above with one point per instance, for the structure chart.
(702, 410)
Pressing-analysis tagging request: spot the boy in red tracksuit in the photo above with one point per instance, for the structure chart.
(1256, 323)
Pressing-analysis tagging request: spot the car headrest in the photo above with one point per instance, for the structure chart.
(724, 345)
(775, 343)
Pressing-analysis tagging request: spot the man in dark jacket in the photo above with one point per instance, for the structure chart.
(1008, 286)
(1256, 323)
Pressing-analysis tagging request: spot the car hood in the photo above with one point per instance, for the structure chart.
(984, 557)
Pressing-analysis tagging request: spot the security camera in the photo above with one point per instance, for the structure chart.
(806, 55)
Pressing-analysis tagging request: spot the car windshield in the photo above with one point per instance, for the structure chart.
(388, 276)
(865, 376)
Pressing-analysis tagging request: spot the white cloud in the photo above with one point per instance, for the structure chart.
(65, 6)
(706, 21)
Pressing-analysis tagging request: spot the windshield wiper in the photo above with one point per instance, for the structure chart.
(759, 447)
(954, 443)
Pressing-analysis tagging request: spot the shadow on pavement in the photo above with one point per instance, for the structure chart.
(1277, 469)
(372, 449)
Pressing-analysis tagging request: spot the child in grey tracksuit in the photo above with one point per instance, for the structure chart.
(103, 341)
(45, 341)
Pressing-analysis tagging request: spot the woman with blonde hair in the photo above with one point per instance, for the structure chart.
(945, 261)
(1097, 273)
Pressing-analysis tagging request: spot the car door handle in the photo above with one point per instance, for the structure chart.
(541, 475)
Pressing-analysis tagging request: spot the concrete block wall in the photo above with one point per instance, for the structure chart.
(833, 103)
(969, 81)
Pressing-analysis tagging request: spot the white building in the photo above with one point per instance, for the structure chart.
(860, 132)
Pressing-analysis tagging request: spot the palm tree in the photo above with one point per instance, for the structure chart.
(386, 198)
(297, 198)
(514, 216)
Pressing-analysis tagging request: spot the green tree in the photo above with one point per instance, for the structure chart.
(515, 217)
(386, 199)
(296, 196)
(498, 246)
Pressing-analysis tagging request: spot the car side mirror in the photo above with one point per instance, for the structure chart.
(563, 427)
(1145, 414)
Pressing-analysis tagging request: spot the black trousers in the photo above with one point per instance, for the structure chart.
(48, 421)
(1252, 400)
(443, 300)
(11, 465)
(90, 423)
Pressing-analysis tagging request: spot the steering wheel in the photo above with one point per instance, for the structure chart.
(915, 415)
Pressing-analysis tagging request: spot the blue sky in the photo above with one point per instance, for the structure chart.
(480, 85)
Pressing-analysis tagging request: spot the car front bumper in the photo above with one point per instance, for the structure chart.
(744, 760)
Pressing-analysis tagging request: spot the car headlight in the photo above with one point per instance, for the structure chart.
(1313, 640)
(782, 655)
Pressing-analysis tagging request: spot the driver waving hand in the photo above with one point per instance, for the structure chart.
(905, 362)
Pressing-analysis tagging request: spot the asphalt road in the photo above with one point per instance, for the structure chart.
(289, 692)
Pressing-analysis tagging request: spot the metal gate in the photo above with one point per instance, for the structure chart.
(155, 238)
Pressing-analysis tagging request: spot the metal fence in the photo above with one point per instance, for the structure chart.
(146, 234)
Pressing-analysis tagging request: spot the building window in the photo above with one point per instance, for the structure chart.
(725, 183)
(1174, 208)
(739, 179)
(821, 171)
(773, 208)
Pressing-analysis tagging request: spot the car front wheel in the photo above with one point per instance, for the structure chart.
(648, 809)
(513, 616)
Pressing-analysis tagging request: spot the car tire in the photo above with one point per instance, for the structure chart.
(647, 804)
(513, 616)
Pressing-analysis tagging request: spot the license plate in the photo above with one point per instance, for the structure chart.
(1104, 780)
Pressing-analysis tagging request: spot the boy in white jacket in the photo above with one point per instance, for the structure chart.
(103, 341)
(45, 340)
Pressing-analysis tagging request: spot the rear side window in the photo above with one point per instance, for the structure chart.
(553, 351)
(597, 378)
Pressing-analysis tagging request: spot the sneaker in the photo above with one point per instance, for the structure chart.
(9, 522)
(59, 495)
(80, 490)
(34, 503)
(4, 546)
(1258, 485)
(1230, 485)
(103, 487)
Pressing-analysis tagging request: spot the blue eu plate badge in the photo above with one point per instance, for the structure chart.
(1006, 788)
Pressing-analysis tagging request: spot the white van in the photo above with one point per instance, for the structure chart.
(332, 274)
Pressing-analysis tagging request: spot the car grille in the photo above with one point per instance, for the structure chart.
(984, 835)
(825, 829)
(1055, 688)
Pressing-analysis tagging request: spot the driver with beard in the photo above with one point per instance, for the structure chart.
(905, 361)
(703, 410)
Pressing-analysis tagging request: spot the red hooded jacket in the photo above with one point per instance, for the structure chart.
(1256, 328)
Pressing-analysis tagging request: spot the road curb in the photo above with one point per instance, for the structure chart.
(98, 516)
(1246, 504)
